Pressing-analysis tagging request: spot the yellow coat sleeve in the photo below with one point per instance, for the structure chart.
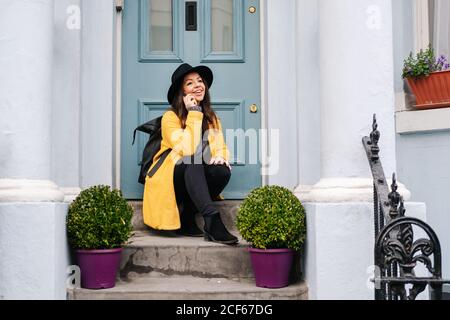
(183, 142)
(217, 143)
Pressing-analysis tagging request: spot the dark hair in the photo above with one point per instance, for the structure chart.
(209, 116)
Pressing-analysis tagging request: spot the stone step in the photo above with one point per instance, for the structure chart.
(190, 288)
(159, 254)
(227, 208)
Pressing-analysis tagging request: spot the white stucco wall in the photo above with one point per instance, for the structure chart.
(84, 94)
(308, 97)
(32, 216)
(97, 92)
(34, 251)
(83, 112)
(280, 96)
(66, 104)
(340, 249)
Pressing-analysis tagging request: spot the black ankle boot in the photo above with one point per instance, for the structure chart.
(189, 227)
(215, 230)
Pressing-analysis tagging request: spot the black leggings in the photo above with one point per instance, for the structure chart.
(197, 184)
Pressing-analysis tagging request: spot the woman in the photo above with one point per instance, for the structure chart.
(191, 171)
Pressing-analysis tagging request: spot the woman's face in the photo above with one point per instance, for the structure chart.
(193, 84)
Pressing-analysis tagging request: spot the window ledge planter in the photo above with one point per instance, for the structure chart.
(432, 91)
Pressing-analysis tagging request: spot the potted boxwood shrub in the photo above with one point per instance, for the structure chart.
(98, 224)
(428, 78)
(272, 220)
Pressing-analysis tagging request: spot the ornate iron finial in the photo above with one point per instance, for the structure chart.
(394, 198)
(394, 185)
(374, 138)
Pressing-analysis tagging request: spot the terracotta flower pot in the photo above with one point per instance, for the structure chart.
(432, 91)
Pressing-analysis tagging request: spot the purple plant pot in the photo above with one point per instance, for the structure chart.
(271, 267)
(99, 267)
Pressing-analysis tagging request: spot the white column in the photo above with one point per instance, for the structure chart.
(355, 81)
(308, 94)
(66, 110)
(33, 242)
(26, 46)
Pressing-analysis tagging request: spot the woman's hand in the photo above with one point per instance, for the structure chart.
(220, 161)
(189, 101)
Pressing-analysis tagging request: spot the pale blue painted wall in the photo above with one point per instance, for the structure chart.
(424, 167)
(423, 159)
(403, 14)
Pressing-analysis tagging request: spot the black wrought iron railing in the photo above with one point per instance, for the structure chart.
(397, 252)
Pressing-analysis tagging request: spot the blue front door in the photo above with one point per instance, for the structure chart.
(159, 35)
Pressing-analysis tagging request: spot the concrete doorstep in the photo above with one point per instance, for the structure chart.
(159, 265)
(191, 288)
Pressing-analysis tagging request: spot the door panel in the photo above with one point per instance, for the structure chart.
(155, 43)
(160, 31)
(221, 24)
(223, 37)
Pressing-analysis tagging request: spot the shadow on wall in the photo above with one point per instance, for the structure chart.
(410, 98)
(298, 266)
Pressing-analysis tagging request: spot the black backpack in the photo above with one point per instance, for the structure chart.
(153, 128)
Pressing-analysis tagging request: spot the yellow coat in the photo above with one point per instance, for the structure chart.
(160, 208)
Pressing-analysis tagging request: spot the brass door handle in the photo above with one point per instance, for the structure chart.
(253, 108)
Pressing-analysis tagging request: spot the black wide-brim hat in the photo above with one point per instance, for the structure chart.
(182, 71)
